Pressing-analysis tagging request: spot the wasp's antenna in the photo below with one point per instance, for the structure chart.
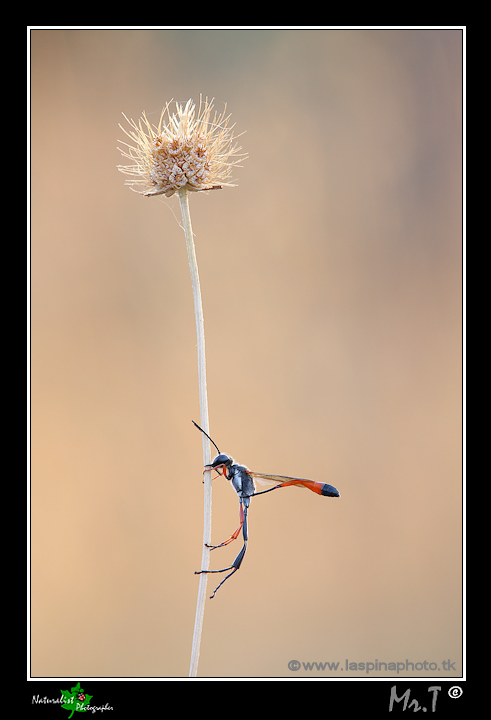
(204, 433)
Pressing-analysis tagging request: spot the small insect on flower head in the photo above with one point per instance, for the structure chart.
(186, 149)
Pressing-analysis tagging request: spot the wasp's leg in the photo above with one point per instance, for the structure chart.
(234, 567)
(236, 533)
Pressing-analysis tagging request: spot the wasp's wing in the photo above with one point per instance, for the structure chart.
(266, 479)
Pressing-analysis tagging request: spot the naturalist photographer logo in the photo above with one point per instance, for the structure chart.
(73, 700)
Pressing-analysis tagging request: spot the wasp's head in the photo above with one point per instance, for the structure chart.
(222, 464)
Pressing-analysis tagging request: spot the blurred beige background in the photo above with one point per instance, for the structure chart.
(331, 281)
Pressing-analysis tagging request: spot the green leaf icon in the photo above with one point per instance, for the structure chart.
(75, 700)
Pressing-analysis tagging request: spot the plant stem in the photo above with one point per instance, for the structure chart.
(203, 404)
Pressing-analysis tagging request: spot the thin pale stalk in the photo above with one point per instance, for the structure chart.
(203, 404)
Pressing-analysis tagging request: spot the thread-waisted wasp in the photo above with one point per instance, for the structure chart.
(242, 480)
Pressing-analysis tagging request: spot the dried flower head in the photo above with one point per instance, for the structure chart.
(184, 150)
